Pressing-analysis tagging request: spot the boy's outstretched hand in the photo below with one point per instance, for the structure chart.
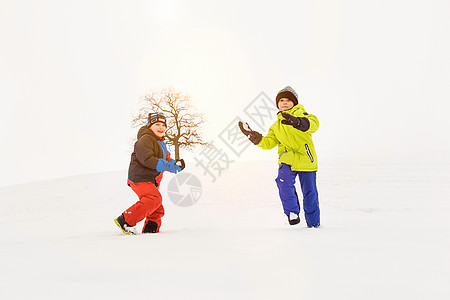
(298, 123)
(253, 136)
(290, 120)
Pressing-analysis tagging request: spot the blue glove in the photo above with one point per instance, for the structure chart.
(173, 168)
(164, 165)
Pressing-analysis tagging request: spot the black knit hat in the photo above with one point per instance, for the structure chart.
(289, 93)
(156, 117)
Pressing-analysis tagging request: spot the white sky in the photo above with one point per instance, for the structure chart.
(376, 73)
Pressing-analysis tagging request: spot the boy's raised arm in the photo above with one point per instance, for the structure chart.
(269, 141)
(266, 142)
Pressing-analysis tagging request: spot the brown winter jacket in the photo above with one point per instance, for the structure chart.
(145, 157)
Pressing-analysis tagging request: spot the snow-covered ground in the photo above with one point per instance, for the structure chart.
(385, 235)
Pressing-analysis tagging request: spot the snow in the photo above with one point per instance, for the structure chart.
(385, 234)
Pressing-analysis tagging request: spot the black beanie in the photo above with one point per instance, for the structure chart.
(289, 93)
(156, 117)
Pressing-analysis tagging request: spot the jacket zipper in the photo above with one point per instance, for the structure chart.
(309, 153)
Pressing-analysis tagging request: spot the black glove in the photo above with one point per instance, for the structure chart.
(180, 163)
(301, 123)
(253, 136)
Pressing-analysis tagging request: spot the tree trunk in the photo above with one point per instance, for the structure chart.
(177, 150)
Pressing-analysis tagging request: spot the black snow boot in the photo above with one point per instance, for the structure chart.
(150, 227)
(126, 228)
(293, 218)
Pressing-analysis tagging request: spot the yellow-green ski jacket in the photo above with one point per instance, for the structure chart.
(295, 147)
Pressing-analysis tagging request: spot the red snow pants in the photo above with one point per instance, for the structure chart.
(149, 205)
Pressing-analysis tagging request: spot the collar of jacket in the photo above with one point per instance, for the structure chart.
(289, 111)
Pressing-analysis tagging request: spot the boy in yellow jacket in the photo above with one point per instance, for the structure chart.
(292, 133)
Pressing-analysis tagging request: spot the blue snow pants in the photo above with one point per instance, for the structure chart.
(289, 198)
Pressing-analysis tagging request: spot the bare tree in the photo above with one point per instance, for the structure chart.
(183, 120)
